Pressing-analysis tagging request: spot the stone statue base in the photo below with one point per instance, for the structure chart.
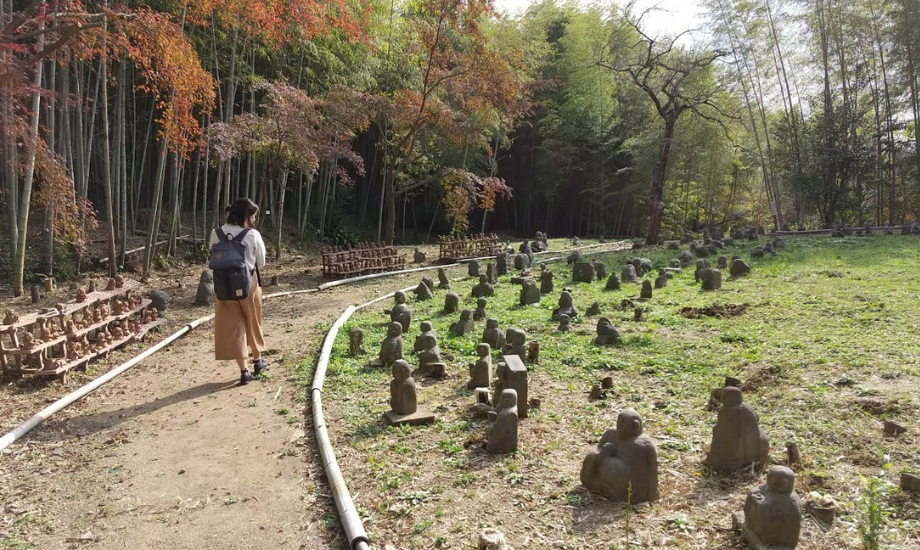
(377, 364)
(434, 370)
(420, 417)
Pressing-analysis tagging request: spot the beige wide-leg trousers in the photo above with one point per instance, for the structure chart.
(238, 323)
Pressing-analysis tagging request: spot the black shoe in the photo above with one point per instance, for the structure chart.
(258, 366)
(245, 377)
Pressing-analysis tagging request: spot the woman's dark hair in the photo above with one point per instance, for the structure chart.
(240, 211)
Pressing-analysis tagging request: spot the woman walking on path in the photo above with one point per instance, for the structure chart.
(239, 322)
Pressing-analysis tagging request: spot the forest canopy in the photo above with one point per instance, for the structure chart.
(403, 120)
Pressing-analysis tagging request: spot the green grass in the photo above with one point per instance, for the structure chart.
(827, 347)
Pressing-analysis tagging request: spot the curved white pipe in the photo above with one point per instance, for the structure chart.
(340, 282)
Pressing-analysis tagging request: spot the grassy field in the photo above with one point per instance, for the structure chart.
(827, 348)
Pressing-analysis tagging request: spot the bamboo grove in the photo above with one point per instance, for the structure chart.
(400, 120)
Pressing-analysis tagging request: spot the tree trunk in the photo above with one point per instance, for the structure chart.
(659, 174)
(107, 160)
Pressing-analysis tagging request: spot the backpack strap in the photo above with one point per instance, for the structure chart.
(239, 238)
(221, 236)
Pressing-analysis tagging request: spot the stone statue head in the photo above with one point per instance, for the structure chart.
(781, 479)
(482, 303)
(466, 315)
(492, 324)
(206, 277)
(401, 371)
(483, 279)
(429, 341)
(483, 350)
(426, 326)
(508, 399)
(394, 331)
(629, 425)
(400, 297)
(731, 396)
(516, 336)
(565, 300)
(602, 323)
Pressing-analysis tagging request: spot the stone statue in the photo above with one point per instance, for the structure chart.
(739, 268)
(391, 350)
(480, 312)
(503, 434)
(564, 325)
(594, 309)
(600, 270)
(403, 395)
(481, 370)
(400, 312)
(484, 288)
(662, 280)
(443, 281)
(646, 293)
(451, 302)
(473, 269)
(530, 294)
(464, 326)
(773, 512)
(429, 358)
(110, 285)
(546, 281)
(28, 341)
(119, 281)
(429, 283)
(491, 276)
(737, 439)
(625, 464)
(492, 335)
(205, 294)
(425, 329)
(533, 352)
(613, 282)
(422, 292)
(712, 279)
(81, 296)
(516, 343)
(501, 264)
(629, 274)
(418, 256)
(607, 334)
(566, 306)
(356, 341)
(583, 272)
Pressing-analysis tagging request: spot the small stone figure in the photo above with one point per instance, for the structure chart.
(45, 333)
(662, 280)
(356, 342)
(503, 434)
(491, 277)
(451, 302)
(722, 262)
(501, 264)
(480, 312)
(473, 269)
(700, 266)
(613, 283)
(512, 374)
(607, 334)
(160, 301)
(443, 281)
(481, 370)
(418, 256)
(583, 272)
(205, 294)
(594, 309)
(110, 285)
(574, 257)
(429, 358)
(464, 326)
(533, 353)
(566, 306)
(712, 279)
(737, 438)
(546, 281)
(81, 296)
(600, 270)
(576, 241)
(629, 274)
(429, 283)
(404, 399)
(483, 289)
(426, 329)
(773, 512)
(515, 343)
(564, 325)
(527, 251)
(521, 262)
(530, 294)
(646, 293)
(625, 464)
(492, 335)
(391, 350)
(422, 292)
(400, 308)
(739, 268)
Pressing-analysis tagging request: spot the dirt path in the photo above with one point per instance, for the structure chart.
(174, 454)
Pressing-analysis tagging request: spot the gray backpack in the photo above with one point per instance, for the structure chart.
(232, 278)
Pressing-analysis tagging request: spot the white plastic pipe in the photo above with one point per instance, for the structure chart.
(348, 514)
(67, 400)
